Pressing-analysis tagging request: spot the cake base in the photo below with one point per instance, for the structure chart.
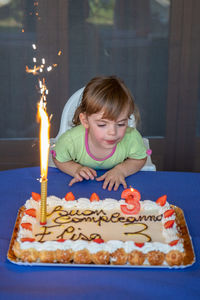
(189, 258)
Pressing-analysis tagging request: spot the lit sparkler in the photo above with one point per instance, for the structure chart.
(44, 127)
(44, 148)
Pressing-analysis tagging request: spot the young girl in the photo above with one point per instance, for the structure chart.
(101, 138)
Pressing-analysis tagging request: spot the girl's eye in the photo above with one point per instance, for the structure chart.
(121, 124)
(101, 125)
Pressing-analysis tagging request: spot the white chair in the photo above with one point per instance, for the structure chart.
(66, 123)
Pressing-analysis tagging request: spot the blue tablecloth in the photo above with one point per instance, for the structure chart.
(27, 282)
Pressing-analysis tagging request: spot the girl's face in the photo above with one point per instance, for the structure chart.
(104, 133)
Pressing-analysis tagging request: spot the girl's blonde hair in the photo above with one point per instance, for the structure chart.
(107, 94)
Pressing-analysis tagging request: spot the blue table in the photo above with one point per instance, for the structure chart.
(27, 282)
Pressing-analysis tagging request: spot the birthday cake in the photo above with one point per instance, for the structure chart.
(94, 231)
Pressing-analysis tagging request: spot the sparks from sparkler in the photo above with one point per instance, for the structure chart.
(43, 91)
(41, 67)
(34, 12)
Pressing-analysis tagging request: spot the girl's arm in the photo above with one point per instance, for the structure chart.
(117, 175)
(131, 166)
(76, 170)
(69, 167)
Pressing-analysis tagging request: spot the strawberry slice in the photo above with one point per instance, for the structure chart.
(98, 241)
(162, 200)
(94, 197)
(27, 239)
(27, 226)
(31, 212)
(131, 211)
(69, 197)
(169, 224)
(131, 192)
(36, 196)
(173, 243)
(61, 240)
(168, 213)
(140, 245)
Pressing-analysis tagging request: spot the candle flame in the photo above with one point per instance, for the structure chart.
(44, 134)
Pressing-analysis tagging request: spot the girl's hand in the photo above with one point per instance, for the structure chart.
(81, 173)
(113, 178)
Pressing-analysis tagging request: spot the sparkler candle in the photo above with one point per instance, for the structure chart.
(44, 128)
(44, 151)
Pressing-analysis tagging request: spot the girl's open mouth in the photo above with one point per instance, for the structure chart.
(111, 142)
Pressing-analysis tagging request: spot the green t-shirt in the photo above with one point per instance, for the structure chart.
(72, 145)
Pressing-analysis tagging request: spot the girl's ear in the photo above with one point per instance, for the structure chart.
(84, 120)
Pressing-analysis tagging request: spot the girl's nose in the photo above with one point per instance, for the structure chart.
(112, 129)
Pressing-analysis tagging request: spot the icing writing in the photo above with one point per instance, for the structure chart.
(61, 217)
(65, 234)
(97, 216)
(140, 232)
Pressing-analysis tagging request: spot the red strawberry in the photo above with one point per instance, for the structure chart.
(27, 240)
(162, 200)
(168, 213)
(94, 197)
(36, 196)
(69, 197)
(140, 245)
(31, 212)
(61, 240)
(131, 192)
(173, 243)
(169, 224)
(98, 241)
(27, 226)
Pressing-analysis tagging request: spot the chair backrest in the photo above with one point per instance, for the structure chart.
(66, 123)
(68, 111)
